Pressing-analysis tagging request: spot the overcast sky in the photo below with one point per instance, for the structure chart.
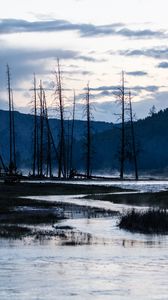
(95, 41)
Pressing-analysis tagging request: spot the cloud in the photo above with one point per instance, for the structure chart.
(3, 104)
(77, 72)
(104, 88)
(109, 90)
(89, 58)
(159, 99)
(9, 26)
(158, 53)
(137, 73)
(107, 110)
(149, 88)
(147, 33)
(36, 54)
(24, 63)
(163, 65)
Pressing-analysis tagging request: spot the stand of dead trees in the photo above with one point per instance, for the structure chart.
(44, 149)
(50, 153)
(128, 151)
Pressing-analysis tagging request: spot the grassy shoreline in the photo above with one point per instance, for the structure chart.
(151, 221)
(157, 199)
(17, 212)
(55, 188)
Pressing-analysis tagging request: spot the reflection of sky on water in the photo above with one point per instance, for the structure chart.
(120, 265)
(125, 268)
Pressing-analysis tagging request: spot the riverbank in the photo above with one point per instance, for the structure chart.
(20, 216)
(55, 188)
(151, 221)
(158, 199)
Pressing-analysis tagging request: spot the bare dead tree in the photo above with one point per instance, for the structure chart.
(35, 129)
(48, 137)
(12, 157)
(52, 143)
(3, 166)
(133, 137)
(68, 140)
(121, 98)
(62, 168)
(10, 117)
(128, 146)
(88, 134)
(41, 129)
(38, 150)
(13, 129)
(72, 134)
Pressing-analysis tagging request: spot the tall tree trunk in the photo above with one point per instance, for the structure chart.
(41, 129)
(13, 133)
(88, 153)
(62, 151)
(49, 162)
(72, 135)
(133, 138)
(35, 129)
(12, 151)
(122, 158)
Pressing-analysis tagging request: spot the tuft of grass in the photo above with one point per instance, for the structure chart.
(151, 221)
(14, 231)
(27, 218)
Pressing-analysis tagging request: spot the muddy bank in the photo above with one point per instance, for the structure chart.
(56, 188)
(20, 217)
(159, 199)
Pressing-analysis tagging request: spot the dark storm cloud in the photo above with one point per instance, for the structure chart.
(8, 26)
(158, 53)
(163, 65)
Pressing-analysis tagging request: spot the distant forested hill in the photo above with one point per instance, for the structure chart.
(24, 124)
(151, 137)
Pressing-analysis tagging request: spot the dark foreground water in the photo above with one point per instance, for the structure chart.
(117, 265)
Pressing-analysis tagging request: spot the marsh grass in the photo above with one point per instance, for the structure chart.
(14, 231)
(30, 218)
(17, 213)
(151, 221)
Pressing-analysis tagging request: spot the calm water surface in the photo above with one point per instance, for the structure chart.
(119, 265)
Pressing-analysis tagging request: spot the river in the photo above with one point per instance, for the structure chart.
(118, 265)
